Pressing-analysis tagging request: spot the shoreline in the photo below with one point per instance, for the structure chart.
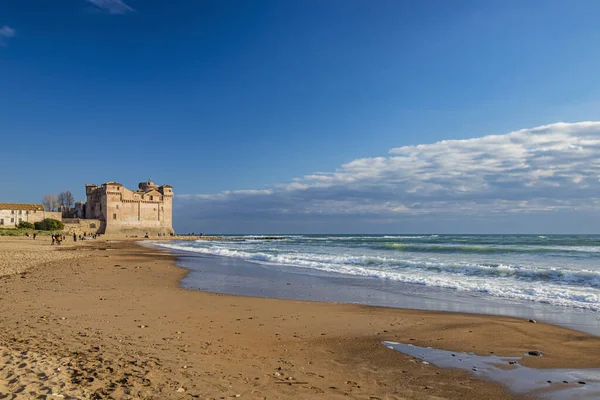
(116, 322)
(234, 276)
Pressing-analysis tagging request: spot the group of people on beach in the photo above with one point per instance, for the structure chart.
(57, 238)
(85, 236)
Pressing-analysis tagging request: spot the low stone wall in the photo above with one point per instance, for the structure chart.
(137, 231)
(80, 226)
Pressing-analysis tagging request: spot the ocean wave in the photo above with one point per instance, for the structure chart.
(387, 267)
(570, 288)
(407, 237)
(454, 248)
(568, 241)
(354, 238)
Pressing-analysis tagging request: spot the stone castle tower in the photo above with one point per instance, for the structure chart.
(123, 211)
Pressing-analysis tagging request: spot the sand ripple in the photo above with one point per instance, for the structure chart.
(24, 254)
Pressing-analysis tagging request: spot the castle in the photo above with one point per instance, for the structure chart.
(149, 210)
(109, 209)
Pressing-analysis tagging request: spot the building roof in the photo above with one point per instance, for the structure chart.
(113, 183)
(168, 186)
(20, 206)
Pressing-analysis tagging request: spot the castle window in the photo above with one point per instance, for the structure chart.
(114, 216)
(151, 197)
(12, 211)
(20, 220)
(20, 212)
(12, 220)
(1, 221)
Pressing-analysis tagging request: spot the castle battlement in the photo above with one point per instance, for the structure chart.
(124, 211)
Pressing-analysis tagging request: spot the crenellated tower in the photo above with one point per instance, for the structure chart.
(123, 211)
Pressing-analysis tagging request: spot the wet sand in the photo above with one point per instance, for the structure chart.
(229, 275)
(107, 320)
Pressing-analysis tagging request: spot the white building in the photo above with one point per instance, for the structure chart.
(13, 213)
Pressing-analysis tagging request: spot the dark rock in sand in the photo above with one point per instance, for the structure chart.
(534, 353)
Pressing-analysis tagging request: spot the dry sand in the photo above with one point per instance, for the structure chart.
(107, 320)
(20, 253)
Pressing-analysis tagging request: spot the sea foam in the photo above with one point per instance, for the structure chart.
(569, 286)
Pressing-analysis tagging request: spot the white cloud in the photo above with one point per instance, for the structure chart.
(6, 32)
(112, 6)
(553, 168)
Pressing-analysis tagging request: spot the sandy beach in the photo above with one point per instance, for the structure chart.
(108, 320)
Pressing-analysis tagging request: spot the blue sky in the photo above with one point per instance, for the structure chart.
(241, 104)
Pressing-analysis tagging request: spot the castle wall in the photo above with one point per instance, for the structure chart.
(127, 212)
(80, 226)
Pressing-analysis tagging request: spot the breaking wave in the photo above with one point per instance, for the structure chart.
(558, 285)
(452, 248)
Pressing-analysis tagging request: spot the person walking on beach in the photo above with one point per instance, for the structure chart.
(34, 235)
(74, 237)
(53, 239)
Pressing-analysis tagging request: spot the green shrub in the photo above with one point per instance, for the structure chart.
(49, 224)
(22, 232)
(25, 225)
(11, 232)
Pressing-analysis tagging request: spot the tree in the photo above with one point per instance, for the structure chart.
(50, 202)
(25, 225)
(66, 199)
(49, 224)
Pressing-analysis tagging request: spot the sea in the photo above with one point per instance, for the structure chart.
(555, 278)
